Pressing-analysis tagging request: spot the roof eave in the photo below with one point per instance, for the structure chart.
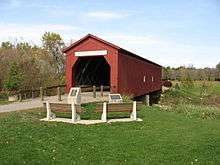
(87, 36)
(142, 58)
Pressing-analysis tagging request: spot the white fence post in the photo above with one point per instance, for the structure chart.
(104, 112)
(133, 115)
(73, 112)
(48, 110)
(75, 116)
(147, 100)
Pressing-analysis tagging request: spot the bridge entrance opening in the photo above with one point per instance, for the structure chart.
(91, 71)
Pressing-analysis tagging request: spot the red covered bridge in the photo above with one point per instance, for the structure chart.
(93, 61)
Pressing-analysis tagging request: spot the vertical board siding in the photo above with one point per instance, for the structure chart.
(131, 76)
(126, 72)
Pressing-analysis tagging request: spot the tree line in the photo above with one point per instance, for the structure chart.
(192, 73)
(25, 66)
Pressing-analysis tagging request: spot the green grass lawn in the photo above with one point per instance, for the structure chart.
(162, 138)
(213, 86)
(193, 92)
(216, 87)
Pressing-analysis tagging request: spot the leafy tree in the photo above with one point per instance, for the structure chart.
(23, 46)
(218, 70)
(7, 45)
(53, 43)
(14, 78)
(218, 66)
(167, 73)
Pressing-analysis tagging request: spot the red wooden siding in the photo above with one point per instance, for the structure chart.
(127, 70)
(131, 76)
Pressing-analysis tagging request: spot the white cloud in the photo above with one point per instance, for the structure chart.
(50, 9)
(31, 33)
(166, 52)
(59, 12)
(134, 39)
(105, 15)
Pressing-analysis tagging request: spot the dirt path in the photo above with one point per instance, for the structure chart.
(37, 103)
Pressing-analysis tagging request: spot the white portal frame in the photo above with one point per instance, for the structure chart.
(91, 53)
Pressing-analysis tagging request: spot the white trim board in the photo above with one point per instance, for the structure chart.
(89, 122)
(91, 53)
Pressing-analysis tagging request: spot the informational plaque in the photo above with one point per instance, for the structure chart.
(115, 98)
(74, 95)
(74, 92)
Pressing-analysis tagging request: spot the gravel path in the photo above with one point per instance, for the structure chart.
(37, 103)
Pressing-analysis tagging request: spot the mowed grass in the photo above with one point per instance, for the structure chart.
(162, 138)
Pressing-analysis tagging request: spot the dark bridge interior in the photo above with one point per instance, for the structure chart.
(91, 71)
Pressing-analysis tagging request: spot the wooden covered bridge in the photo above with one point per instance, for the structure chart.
(94, 61)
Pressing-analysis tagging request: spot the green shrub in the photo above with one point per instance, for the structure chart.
(195, 111)
(188, 91)
(127, 98)
(195, 99)
(14, 79)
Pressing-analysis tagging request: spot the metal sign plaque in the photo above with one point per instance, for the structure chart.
(74, 96)
(115, 98)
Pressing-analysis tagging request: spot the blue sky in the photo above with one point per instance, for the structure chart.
(169, 32)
